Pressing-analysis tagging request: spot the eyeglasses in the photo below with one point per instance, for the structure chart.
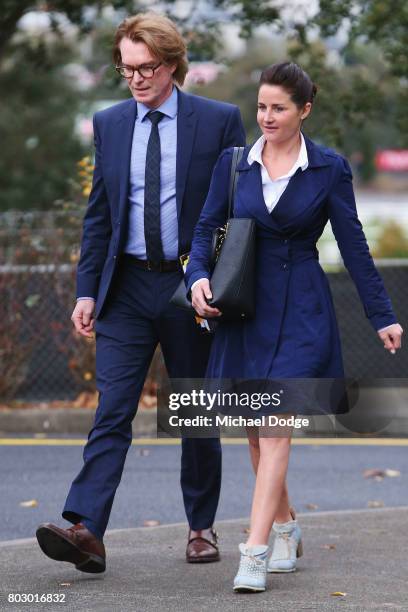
(146, 72)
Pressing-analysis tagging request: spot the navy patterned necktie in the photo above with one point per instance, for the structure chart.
(154, 250)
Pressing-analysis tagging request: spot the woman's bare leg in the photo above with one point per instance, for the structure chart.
(284, 512)
(269, 487)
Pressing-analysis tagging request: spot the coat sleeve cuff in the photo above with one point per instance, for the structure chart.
(378, 321)
(87, 286)
(196, 276)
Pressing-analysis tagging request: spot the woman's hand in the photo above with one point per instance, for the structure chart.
(392, 337)
(199, 296)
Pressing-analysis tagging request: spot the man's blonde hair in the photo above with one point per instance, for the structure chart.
(161, 37)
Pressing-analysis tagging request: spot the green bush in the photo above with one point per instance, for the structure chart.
(392, 242)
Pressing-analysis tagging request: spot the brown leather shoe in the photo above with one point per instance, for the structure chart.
(202, 546)
(76, 545)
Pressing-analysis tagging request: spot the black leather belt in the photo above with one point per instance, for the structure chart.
(162, 266)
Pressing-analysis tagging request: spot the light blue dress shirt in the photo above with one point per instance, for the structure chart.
(136, 244)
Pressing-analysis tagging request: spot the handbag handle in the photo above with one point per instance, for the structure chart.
(237, 154)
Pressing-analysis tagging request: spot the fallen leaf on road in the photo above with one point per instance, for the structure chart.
(311, 506)
(31, 503)
(32, 300)
(392, 473)
(151, 523)
(375, 504)
(338, 594)
(381, 474)
(329, 546)
(374, 473)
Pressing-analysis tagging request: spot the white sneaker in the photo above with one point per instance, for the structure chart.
(251, 576)
(287, 547)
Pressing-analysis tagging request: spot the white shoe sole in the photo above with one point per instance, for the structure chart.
(242, 588)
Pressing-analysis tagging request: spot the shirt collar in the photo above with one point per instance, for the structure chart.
(168, 108)
(255, 154)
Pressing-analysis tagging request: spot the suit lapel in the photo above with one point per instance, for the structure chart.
(250, 194)
(186, 129)
(124, 137)
(303, 189)
(292, 201)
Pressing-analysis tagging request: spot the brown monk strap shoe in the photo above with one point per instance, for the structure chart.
(76, 545)
(202, 546)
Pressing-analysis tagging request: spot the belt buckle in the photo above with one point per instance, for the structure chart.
(154, 267)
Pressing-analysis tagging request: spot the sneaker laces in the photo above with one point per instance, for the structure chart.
(251, 564)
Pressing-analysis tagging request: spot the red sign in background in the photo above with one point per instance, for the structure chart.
(392, 160)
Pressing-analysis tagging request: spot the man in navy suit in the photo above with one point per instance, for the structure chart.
(153, 163)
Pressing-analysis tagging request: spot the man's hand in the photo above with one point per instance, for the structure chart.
(392, 337)
(82, 317)
(199, 296)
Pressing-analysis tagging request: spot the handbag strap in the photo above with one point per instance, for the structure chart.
(237, 154)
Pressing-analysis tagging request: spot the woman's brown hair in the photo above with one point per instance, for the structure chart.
(293, 79)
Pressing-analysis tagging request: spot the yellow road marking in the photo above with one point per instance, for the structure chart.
(230, 441)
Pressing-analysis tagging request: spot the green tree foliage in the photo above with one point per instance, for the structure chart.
(37, 113)
(380, 21)
(392, 242)
(200, 21)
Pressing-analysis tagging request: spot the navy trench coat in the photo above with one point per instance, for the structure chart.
(294, 333)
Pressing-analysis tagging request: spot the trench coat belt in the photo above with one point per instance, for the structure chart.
(287, 250)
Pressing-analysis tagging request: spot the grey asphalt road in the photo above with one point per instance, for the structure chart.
(329, 477)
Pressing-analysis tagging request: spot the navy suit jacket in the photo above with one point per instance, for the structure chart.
(204, 128)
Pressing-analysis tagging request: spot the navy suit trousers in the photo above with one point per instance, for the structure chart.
(136, 317)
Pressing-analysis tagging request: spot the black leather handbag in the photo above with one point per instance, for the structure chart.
(233, 262)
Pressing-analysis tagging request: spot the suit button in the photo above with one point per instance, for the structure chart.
(285, 242)
(114, 257)
(285, 266)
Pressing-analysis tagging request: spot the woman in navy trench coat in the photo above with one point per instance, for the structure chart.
(292, 188)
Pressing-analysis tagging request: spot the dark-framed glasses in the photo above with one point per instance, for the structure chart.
(146, 71)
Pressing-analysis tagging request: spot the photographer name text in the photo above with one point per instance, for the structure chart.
(238, 421)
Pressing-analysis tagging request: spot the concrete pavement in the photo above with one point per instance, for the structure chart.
(361, 553)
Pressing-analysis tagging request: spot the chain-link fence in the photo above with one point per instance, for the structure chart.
(42, 358)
